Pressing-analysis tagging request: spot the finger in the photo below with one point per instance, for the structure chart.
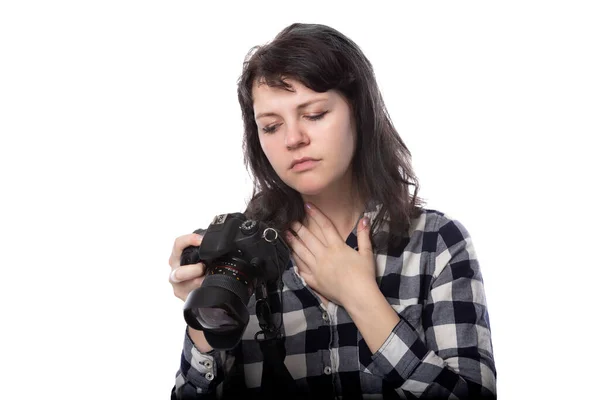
(365, 248)
(329, 231)
(316, 230)
(302, 267)
(299, 248)
(309, 239)
(192, 239)
(187, 272)
(183, 289)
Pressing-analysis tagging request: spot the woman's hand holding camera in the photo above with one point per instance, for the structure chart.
(185, 278)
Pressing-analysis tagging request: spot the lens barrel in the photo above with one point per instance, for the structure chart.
(219, 306)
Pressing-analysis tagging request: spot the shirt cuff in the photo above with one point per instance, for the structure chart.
(199, 368)
(400, 354)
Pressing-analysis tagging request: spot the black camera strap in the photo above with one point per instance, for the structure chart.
(276, 382)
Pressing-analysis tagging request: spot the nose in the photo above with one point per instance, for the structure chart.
(295, 137)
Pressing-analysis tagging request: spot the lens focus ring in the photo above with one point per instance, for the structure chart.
(230, 283)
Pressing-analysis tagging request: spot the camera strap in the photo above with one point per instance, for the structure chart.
(276, 381)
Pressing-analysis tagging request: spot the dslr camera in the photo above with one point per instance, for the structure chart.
(241, 255)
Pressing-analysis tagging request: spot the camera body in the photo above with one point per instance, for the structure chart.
(240, 254)
(233, 236)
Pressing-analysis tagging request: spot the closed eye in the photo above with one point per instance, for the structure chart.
(273, 128)
(270, 129)
(316, 117)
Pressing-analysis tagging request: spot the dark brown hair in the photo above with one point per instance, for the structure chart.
(322, 59)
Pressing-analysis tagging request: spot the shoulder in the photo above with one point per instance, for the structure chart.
(439, 224)
(446, 239)
(436, 233)
(429, 221)
(430, 232)
(434, 241)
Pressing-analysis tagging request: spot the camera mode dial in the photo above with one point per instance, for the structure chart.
(249, 227)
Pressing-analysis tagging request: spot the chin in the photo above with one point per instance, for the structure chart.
(309, 189)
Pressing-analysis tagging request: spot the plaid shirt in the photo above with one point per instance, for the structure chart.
(441, 348)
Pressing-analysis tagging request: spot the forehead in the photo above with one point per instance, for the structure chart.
(265, 97)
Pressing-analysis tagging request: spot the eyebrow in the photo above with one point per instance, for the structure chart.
(300, 106)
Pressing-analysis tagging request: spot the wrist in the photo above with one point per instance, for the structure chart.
(372, 314)
(361, 296)
(199, 340)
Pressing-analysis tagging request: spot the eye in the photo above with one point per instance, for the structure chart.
(270, 129)
(273, 128)
(316, 117)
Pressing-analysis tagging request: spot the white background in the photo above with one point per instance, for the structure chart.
(120, 130)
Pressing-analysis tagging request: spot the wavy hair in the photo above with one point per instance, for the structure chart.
(322, 59)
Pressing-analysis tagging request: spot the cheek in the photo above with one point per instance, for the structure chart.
(343, 143)
(268, 148)
(262, 145)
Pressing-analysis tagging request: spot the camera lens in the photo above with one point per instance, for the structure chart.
(217, 319)
(218, 307)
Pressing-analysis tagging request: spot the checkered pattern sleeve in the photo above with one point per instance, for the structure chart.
(201, 375)
(455, 361)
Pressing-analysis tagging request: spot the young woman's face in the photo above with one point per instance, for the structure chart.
(305, 124)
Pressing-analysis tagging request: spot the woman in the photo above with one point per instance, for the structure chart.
(382, 297)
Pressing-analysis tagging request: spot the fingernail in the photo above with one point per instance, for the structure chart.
(173, 277)
(365, 222)
(308, 206)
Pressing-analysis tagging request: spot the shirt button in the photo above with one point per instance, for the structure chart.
(208, 364)
(209, 376)
(325, 316)
(327, 370)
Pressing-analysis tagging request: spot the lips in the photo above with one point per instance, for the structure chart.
(301, 160)
(306, 165)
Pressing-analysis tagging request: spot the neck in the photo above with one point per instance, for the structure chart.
(342, 204)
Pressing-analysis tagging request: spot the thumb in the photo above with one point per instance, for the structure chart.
(365, 247)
